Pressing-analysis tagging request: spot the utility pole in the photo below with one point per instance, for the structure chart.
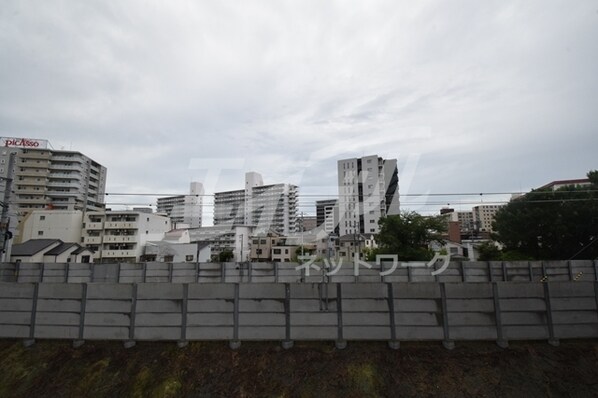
(4, 219)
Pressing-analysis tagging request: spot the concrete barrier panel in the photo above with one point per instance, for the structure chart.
(261, 291)
(60, 290)
(205, 305)
(419, 333)
(14, 331)
(418, 319)
(159, 290)
(114, 306)
(473, 333)
(470, 319)
(523, 318)
(107, 319)
(19, 304)
(56, 332)
(314, 333)
(261, 319)
(57, 318)
(210, 320)
(16, 290)
(365, 305)
(468, 291)
(257, 305)
(530, 304)
(211, 291)
(417, 305)
(313, 305)
(157, 333)
(525, 332)
(314, 319)
(15, 318)
(58, 305)
(575, 331)
(105, 333)
(416, 290)
(109, 291)
(366, 333)
(209, 333)
(262, 333)
(575, 317)
(158, 306)
(155, 319)
(470, 305)
(575, 303)
(366, 319)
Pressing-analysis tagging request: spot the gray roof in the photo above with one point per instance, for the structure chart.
(60, 249)
(33, 246)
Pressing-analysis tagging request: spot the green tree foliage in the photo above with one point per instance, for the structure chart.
(551, 225)
(488, 251)
(408, 234)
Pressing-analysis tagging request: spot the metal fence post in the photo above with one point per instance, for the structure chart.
(287, 343)
(79, 342)
(235, 343)
(531, 271)
(552, 340)
(131, 342)
(393, 343)
(31, 340)
(500, 336)
(505, 276)
(183, 341)
(340, 343)
(447, 342)
(570, 267)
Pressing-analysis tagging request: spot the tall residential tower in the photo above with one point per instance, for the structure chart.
(368, 188)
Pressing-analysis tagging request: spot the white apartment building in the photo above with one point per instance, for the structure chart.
(120, 236)
(483, 216)
(45, 178)
(327, 215)
(368, 188)
(267, 207)
(184, 209)
(235, 238)
(66, 225)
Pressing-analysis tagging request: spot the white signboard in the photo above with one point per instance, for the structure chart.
(26, 143)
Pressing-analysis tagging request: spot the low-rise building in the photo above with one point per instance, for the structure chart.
(120, 236)
(50, 251)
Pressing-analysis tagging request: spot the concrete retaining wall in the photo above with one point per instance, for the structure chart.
(300, 311)
(493, 271)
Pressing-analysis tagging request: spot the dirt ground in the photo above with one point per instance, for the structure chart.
(106, 369)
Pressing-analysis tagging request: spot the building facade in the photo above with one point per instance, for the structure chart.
(368, 190)
(120, 236)
(483, 216)
(44, 178)
(184, 209)
(267, 207)
(327, 215)
(220, 238)
(66, 225)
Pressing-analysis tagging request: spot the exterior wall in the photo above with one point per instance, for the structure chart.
(66, 225)
(483, 216)
(121, 236)
(36, 258)
(50, 179)
(368, 190)
(327, 215)
(177, 253)
(184, 209)
(283, 254)
(366, 311)
(269, 207)
(64, 257)
(225, 237)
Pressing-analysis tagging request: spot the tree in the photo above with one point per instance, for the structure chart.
(488, 251)
(551, 225)
(408, 234)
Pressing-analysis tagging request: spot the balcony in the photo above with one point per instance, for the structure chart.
(92, 240)
(36, 201)
(28, 172)
(121, 225)
(30, 190)
(62, 166)
(94, 225)
(45, 155)
(120, 238)
(119, 253)
(64, 184)
(65, 158)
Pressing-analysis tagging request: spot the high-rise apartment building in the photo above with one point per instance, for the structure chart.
(44, 178)
(368, 190)
(184, 209)
(483, 216)
(267, 207)
(327, 215)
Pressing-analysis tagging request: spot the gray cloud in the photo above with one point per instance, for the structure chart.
(493, 96)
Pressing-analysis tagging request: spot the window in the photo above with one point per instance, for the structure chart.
(42, 218)
(189, 257)
(40, 233)
(276, 251)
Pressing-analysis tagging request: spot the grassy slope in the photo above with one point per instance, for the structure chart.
(106, 369)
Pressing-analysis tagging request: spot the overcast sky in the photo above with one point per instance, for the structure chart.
(469, 96)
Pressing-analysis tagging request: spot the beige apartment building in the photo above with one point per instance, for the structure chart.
(120, 236)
